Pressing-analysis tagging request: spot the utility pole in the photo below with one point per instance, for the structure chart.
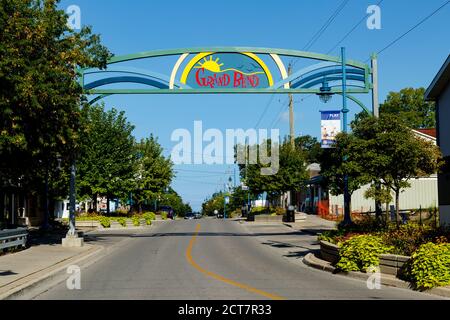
(375, 101)
(376, 114)
(291, 113)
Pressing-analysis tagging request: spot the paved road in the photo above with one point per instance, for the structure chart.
(210, 259)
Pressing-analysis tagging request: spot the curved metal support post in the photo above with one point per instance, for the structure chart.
(111, 80)
(100, 97)
(359, 103)
(135, 71)
(320, 80)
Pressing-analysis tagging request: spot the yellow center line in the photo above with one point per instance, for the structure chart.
(219, 277)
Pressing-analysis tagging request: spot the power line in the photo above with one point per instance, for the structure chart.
(278, 118)
(351, 30)
(414, 27)
(203, 171)
(265, 111)
(202, 182)
(325, 26)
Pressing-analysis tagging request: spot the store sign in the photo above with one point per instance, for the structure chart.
(209, 70)
(330, 127)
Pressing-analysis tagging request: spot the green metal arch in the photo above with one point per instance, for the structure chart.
(359, 103)
(283, 52)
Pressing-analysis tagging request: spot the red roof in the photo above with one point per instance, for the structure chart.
(431, 132)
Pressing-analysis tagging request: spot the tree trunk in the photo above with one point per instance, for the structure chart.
(95, 202)
(107, 205)
(387, 214)
(397, 209)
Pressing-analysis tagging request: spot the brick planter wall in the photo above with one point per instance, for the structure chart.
(329, 252)
(392, 263)
(389, 263)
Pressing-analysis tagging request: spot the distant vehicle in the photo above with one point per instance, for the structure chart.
(189, 216)
(169, 210)
(197, 215)
(219, 215)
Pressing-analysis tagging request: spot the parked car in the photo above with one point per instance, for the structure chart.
(197, 215)
(189, 216)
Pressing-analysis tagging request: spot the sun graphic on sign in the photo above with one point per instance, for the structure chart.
(211, 65)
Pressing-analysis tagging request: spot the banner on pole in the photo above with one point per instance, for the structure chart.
(330, 127)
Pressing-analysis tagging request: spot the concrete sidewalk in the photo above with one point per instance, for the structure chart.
(25, 268)
(46, 258)
(312, 224)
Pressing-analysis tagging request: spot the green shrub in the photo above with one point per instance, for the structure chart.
(122, 221)
(136, 220)
(149, 216)
(361, 252)
(163, 215)
(407, 238)
(121, 212)
(331, 236)
(279, 211)
(259, 210)
(105, 222)
(430, 266)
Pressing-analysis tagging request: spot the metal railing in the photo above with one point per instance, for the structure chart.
(13, 238)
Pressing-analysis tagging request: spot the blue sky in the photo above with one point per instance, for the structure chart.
(140, 25)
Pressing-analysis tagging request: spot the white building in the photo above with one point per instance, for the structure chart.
(316, 199)
(439, 91)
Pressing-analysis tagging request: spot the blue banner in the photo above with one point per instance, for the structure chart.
(330, 126)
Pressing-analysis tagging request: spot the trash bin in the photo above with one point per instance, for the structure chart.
(290, 214)
(244, 211)
(250, 214)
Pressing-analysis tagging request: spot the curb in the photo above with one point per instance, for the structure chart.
(21, 286)
(52, 274)
(312, 261)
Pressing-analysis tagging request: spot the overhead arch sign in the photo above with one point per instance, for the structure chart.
(224, 70)
(227, 71)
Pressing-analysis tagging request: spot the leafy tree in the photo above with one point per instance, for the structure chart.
(215, 202)
(310, 147)
(154, 172)
(174, 200)
(39, 95)
(238, 198)
(334, 167)
(290, 176)
(107, 158)
(409, 104)
(388, 150)
(381, 194)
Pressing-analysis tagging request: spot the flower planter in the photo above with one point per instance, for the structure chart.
(329, 252)
(87, 224)
(389, 263)
(116, 225)
(392, 264)
(267, 218)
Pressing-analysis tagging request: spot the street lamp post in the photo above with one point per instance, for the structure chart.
(347, 216)
(72, 195)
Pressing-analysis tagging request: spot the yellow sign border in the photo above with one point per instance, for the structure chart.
(202, 55)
